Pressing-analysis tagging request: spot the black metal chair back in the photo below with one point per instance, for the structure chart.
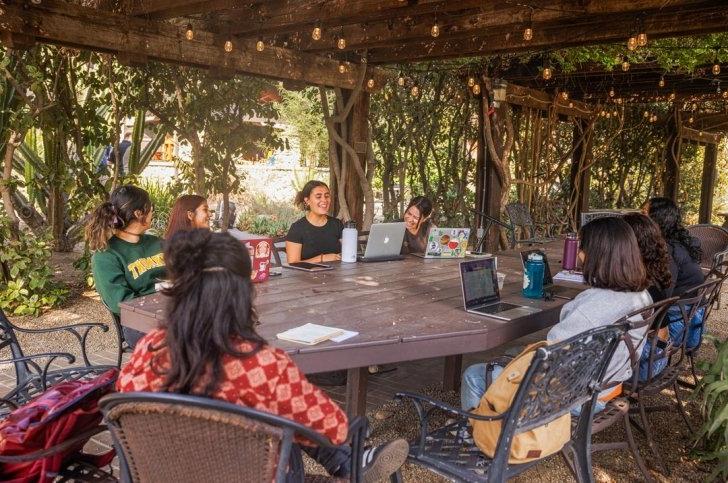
(719, 271)
(693, 300)
(644, 325)
(561, 376)
(177, 437)
(8, 339)
(520, 217)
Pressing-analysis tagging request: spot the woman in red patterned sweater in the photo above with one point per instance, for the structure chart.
(209, 347)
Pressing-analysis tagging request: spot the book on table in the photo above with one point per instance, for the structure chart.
(310, 334)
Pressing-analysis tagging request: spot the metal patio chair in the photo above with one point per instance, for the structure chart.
(520, 218)
(664, 365)
(617, 410)
(560, 377)
(164, 437)
(32, 375)
(713, 239)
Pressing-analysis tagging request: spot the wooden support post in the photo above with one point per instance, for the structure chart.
(356, 391)
(671, 174)
(358, 133)
(707, 186)
(579, 177)
(452, 372)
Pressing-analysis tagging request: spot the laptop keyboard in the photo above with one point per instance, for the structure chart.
(495, 308)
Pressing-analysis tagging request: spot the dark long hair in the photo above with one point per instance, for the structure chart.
(653, 249)
(424, 205)
(178, 219)
(305, 192)
(116, 213)
(613, 260)
(667, 215)
(210, 311)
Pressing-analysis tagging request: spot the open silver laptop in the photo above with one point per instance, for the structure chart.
(558, 291)
(481, 296)
(384, 243)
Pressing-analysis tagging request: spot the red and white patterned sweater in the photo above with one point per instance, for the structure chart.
(267, 381)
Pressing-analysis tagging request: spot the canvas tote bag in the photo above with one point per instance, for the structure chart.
(529, 445)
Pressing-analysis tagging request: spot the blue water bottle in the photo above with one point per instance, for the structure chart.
(533, 276)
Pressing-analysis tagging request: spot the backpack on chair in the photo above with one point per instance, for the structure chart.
(528, 445)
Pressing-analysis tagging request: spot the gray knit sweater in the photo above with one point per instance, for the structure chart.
(596, 307)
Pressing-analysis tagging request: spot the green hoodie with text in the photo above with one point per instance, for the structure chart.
(127, 270)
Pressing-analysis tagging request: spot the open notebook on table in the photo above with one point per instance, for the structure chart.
(312, 334)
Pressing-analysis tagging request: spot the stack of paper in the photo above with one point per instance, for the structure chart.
(311, 334)
(567, 276)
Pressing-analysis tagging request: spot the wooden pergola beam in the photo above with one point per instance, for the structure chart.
(283, 16)
(58, 22)
(165, 9)
(492, 15)
(698, 136)
(711, 16)
(524, 96)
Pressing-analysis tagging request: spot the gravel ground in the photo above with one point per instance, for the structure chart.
(395, 420)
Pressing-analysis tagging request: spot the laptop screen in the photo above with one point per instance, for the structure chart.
(547, 279)
(479, 281)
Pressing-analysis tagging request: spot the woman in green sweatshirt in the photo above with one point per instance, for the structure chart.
(127, 262)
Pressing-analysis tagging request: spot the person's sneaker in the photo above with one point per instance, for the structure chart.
(380, 462)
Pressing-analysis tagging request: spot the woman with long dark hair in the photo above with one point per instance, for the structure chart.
(417, 223)
(189, 212)
(655, 254)
(209, 347)
(317, 236)
(684, 250)
(617, 280)
(685, 256)
(127, 262)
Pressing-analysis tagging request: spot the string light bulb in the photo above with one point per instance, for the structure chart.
(189, 33)
(316, 33)
(260, 45)
(415, 91)
(611, 92)
(342, 68)
(341, 43)
(632, 43)
(661, 82)
(571, 104)
(565, 95)
(671, 96)
(725, 94)
(401, 80)
(691, 119)
(625, 65)
(528, 33)
(435, 30)
(471, 81)
(476, 89)
(370, 83)
(547, 73)
(642, 39)
(647, 114)
(228, 47)
(716, 68)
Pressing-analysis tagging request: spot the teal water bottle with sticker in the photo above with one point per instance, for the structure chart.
(533, 276)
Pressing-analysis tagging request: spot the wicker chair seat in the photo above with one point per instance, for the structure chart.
(81, 471)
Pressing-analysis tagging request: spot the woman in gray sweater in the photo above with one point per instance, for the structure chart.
(614, 271)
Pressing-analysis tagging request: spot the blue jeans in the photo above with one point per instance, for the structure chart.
(474, 385)
(677, 326)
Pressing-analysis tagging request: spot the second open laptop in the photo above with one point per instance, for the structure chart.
(481, 295)
(384, 243)
(446, 243)
(558, 291)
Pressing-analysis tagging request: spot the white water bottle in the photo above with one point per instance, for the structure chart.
(349, 242)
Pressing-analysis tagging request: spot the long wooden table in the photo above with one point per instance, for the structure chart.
(403, 310)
